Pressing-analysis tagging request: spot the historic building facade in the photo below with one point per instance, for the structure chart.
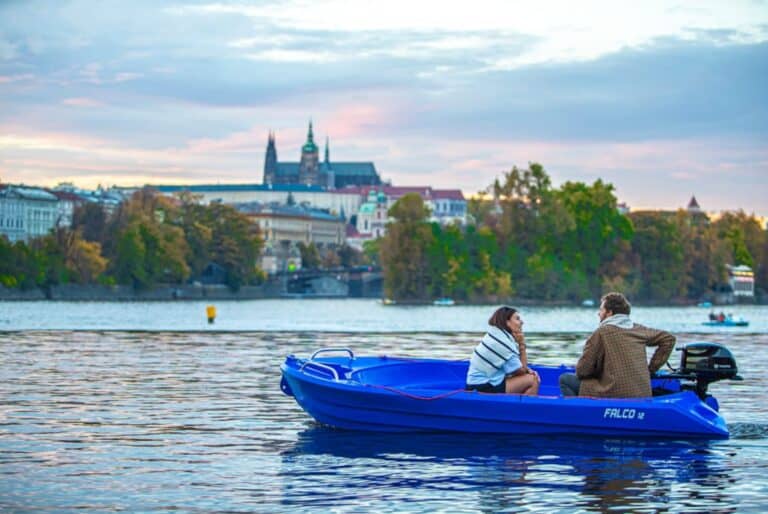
(311, 171)
(29, 212)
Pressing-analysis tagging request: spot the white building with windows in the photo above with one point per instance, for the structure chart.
(446, 205)
(344, 202)
(741, 279)
(27, 212)
(372, 216)
(284, 227)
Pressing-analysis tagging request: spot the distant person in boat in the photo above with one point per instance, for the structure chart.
(721, 317)
(712, 316)
(499, 363)
(614, 363)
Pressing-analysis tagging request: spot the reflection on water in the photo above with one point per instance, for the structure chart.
(507, 473)
(195, 421)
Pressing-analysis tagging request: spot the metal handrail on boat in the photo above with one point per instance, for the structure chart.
(321, 366)
(322, 350)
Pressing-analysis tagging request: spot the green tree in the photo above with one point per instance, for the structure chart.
(404, 250)
(349, 257)
(657, 242)
(372, 252)
(591, 241)
(91, 220)
(310, 256)
(128, 264)
(149, 246)
(236, 245)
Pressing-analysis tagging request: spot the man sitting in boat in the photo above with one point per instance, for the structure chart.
(499, 363)
(613, 363)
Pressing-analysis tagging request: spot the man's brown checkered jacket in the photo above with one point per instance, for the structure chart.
(614, 363)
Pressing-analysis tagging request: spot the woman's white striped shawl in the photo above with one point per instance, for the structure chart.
(493, 351)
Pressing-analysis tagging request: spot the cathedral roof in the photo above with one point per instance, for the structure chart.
(338, 168)
(201, 188)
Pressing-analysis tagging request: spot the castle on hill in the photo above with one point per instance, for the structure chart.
(310, 171)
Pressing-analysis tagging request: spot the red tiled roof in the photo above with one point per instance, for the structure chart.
(426, 192)
(449, 194)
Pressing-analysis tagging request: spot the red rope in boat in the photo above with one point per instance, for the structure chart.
(417, 397)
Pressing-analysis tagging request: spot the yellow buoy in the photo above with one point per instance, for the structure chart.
(210, 311)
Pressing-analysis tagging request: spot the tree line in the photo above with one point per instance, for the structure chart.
(529, 240)
(524, 239)
(149, 239)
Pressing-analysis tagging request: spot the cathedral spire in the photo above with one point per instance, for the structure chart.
(327, 152)
(310, 145)
(270, 160)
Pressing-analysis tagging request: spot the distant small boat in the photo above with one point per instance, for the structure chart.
(727, 323)
(706, 305)
(388, 301)
(444, 302)
(588, 303)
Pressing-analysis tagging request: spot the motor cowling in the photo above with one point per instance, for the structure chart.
(707, 362)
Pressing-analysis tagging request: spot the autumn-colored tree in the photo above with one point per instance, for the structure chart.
(148, 246)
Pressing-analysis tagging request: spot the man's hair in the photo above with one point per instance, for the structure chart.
(501, 316)
(616, 303)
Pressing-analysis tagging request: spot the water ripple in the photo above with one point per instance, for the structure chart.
(194, 421)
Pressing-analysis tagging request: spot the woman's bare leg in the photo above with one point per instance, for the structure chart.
(527, 384)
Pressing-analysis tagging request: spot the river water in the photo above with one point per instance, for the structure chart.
(145, 407)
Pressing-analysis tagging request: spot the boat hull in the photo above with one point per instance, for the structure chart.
(726, 323)
(392, 395)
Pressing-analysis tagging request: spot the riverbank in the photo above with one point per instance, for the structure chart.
(274, 290)
(98, 293)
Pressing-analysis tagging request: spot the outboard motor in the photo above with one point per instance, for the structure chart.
(705, 363)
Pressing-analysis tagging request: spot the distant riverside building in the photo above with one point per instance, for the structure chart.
(372, 216)
(310, 171)
(344, 202)
(623, 208)
(742, 280)
(285, 226)
(66, 207)
(693, 206)
(108, 199)
(446, 205)
(28, 212)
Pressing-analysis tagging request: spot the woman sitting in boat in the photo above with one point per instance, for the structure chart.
(499, 363)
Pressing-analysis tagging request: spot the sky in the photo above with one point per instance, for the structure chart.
(662, 99)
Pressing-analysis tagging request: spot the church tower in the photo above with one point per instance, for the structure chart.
(308, 167)
(330, 176)
(270, 161)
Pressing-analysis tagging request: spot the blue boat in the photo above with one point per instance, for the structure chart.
(401, 394)
(727, 323)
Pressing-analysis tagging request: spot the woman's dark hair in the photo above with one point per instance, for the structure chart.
(501, 316)
(616, 303)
